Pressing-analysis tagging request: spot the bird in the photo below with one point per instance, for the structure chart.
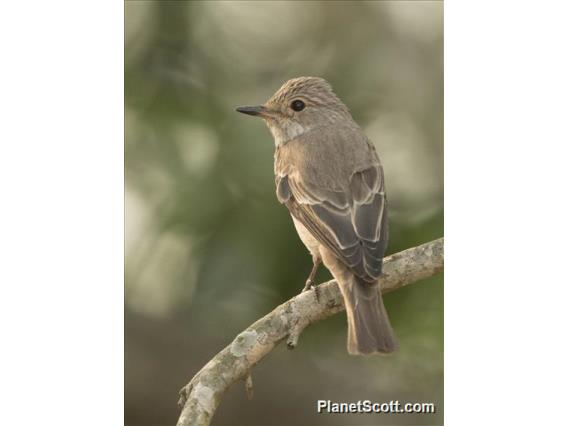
(329, 176)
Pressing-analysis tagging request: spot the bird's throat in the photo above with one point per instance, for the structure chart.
(286, 132)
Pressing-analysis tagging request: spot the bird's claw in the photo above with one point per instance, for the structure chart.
(311, 286)
(308, 286)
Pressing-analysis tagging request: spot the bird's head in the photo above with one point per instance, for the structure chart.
(299, 106)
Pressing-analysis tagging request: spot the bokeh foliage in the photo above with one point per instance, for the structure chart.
(209, 249)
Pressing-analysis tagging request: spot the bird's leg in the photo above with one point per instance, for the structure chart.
(310, 281)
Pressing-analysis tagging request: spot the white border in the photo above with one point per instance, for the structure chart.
(506, 212)
(61, 215)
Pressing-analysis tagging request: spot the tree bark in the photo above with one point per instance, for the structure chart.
(200, 398)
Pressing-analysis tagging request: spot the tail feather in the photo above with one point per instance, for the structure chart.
(369, 330)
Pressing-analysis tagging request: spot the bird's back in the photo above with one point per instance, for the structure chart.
(329, 164)
(336, 190)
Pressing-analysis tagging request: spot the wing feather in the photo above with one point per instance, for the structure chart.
(352, 224)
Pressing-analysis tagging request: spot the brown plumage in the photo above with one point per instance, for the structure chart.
(330, 178)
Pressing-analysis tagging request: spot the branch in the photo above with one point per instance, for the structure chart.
(199, 399)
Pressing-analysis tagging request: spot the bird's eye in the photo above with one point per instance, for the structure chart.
(297, 105)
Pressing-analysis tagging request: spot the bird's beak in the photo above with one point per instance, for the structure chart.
(253, 110)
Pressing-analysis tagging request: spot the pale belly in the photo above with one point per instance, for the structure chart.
(309, 241)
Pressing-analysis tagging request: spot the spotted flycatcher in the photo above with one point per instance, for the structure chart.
(330, 178)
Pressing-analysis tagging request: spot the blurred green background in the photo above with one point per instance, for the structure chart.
(209, 249)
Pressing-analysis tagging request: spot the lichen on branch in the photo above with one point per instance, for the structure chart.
(201, 396)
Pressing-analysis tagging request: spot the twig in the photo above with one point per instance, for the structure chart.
(199, 399)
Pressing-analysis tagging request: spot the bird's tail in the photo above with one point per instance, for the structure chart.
(369, 329)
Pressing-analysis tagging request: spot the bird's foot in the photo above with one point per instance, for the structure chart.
(310, 285)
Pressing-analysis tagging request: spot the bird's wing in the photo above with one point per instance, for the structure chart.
(351, 223)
